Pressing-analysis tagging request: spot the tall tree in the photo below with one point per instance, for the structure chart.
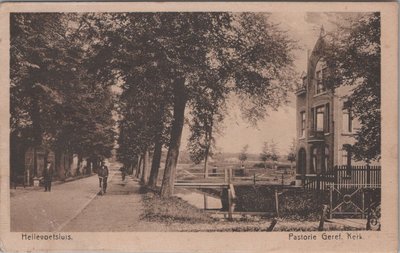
(35, 41)
(59, 81)
(235, 47)
(204, 53)
(354, 57)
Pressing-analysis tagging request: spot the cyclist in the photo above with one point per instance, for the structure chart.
(103, 176)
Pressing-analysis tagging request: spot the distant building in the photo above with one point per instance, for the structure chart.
(325, 124)
(64, 164)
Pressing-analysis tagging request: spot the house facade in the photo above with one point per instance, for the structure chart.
(325, 124)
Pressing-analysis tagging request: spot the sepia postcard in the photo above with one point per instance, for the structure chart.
(199, 127)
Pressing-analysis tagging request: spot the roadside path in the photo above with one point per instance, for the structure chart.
(38, 211)
(117, 211)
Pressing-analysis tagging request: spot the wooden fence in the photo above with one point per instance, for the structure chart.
(346, 177)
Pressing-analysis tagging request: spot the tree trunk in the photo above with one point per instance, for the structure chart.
(35, 165)
(90, 165)
(80, 159)
(155, 165)
(180, 100)
(207, 151)
(205, 166)
(145, 174)
(139, 167)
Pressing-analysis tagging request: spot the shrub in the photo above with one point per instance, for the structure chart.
(293, 203)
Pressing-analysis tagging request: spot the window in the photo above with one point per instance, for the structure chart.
(319, 124)
(320, 159)
(314, 162)
(347, 120)
(321, 74)
(344, 156)
(327, 118)
(302, 124)
(347, 154)
(319, 82)
(325, 77)
(320, 118)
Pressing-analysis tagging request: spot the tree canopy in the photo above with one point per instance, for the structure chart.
(354, 55)
(166, 64)
(59, 98)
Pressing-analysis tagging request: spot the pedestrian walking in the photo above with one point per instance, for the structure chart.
(103, 176)
(123, 172)
(47, 177)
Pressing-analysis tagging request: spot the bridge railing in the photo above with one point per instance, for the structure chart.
(234, 175)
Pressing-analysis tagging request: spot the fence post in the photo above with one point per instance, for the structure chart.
(368, 175)
(226, 175)
(330, 201)
(282, 179)
(229, 205)
(276, 203)
(271, 227)
(229, 175)
(254, 178)
(322, 220)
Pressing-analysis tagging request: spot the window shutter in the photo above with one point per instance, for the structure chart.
(327, 116)
(312, 128)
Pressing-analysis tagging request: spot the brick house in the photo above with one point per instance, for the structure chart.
(325, 125)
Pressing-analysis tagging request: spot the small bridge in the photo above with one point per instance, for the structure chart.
(222, 178)
(226, 180)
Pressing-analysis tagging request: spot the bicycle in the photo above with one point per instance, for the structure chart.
(103, 185)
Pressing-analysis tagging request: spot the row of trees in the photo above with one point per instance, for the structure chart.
(269, 152)
(174, 66)
(60, 92)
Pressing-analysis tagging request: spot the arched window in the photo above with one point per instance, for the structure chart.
(320, 159)
(321, 73)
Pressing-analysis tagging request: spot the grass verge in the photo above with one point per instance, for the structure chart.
(171, 209)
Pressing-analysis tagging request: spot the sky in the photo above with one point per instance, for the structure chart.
(279, 126)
